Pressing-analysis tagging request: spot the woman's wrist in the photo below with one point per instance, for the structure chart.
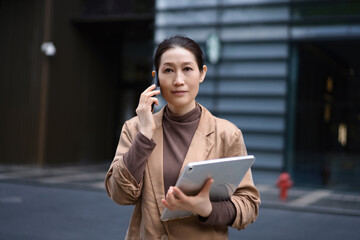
(206, 211)
(147, 133)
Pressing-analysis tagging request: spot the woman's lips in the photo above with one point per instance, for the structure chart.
(179, 93)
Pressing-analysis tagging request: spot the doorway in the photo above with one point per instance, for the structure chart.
(122, 47)
(327, 128)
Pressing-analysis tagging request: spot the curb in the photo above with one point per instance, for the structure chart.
(310, 209)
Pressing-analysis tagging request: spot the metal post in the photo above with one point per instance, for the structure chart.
(44, 87)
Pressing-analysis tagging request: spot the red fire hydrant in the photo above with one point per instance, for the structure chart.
(284, 183)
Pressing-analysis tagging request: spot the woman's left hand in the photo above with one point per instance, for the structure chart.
(200, 204)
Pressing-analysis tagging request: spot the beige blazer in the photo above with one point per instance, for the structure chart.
(214, 138)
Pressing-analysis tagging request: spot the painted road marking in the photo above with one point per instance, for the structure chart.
(310, 198)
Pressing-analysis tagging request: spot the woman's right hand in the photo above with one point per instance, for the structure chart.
(143, 111)
(200, 204)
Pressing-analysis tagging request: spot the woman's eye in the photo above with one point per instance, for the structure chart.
(187, 69)
(167, 70)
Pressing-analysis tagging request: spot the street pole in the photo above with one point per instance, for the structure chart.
(44, 87)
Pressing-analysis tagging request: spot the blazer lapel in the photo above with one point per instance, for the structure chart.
(155, 162)
(201, 143)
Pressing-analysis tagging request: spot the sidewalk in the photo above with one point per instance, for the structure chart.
(319, 200)
(91, 177)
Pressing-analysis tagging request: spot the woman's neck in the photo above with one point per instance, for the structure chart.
(179, 111)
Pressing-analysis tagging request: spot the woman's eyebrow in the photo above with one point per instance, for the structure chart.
(188, 63)
(168, 64)
(172, 64)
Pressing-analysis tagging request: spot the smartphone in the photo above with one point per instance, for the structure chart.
(155, 79)
(156, 82)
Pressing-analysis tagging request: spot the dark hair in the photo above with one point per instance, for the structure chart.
(179, 41)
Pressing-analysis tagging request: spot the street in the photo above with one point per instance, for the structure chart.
(35, 211)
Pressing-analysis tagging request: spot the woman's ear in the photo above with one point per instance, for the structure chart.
(203, 73)
(153, 73)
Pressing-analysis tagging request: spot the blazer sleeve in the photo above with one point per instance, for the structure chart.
(120, 184)
(246, 197)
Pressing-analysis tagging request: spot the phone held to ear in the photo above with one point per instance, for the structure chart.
(156, 82)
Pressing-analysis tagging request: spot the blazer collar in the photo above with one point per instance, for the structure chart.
(199, 149)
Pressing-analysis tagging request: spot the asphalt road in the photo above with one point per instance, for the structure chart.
(41, 212)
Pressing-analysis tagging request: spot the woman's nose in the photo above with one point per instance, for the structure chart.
(179, 79)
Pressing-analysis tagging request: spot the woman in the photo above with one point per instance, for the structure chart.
(153, 149)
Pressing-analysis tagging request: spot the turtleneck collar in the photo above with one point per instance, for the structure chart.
(191, 116)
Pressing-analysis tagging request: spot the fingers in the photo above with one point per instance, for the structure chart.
(207, 186)
(151, 88)
(148, 95)
(178, 193)
(144, 110)
(170, 193)
(175, 199)
(153, 100)
(147, 98)
(165, 203)
(171, 199)
(150, 92)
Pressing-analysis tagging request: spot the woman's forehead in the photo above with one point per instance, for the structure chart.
(177, 55)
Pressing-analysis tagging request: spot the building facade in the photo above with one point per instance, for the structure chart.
(288, 76)
(69, 106)
(286, 72)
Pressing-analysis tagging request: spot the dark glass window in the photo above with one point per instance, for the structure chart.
(327, 142)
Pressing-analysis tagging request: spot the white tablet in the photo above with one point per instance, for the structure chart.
(226, 172)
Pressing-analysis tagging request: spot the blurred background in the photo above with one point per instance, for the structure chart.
(286, 72)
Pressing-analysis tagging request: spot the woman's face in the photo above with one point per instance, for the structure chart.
(179, 78)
